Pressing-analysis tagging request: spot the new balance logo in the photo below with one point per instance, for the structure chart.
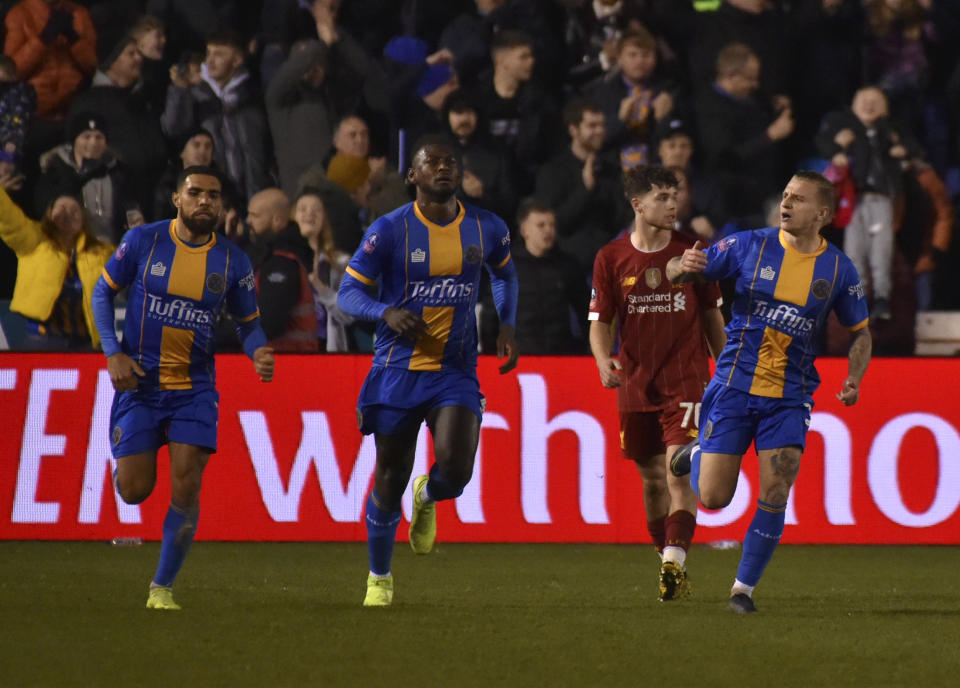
(767, 273)
(158, 269)
(418, 256)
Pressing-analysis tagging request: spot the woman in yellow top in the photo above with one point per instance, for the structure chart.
(58, 262)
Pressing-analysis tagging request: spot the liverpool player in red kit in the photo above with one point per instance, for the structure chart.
(662, 368)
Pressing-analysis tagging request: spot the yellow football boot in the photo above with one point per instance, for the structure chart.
(423, 524)
(161, 598)
(379, 591)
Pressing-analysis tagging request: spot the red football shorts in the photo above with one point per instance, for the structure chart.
(647, 433)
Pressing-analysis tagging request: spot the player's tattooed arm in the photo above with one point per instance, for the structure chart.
(861, 348)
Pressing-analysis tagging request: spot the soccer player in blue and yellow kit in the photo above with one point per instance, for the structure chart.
(788, 279)
(181, 275)
(427, 256)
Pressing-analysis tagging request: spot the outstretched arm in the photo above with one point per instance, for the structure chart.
(861, 348)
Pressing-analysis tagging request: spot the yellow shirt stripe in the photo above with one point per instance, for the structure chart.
(428, 353)
(769, 375)
(796, 273)
(188, 274)
(174, 368)
(356, 275)
(446, 248)
(249, 317)
(109, 280)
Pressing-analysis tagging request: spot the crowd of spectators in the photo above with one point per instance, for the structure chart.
(311, 108)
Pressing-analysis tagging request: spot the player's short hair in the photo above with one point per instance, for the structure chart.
(532, 205)
(227, 37)
(733, 59)
(826, 192)
(575, 108)
(642, 178)
(435, 140)
(510, 39)
(638, 37)
(198, 169)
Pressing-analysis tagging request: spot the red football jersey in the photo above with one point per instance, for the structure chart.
(663, 350)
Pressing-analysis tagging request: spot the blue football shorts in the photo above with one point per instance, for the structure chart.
(396, 399)
(730, 419)
(143, 421)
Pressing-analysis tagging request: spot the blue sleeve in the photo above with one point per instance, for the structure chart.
(725, 257)
(354, 299)
(121, 269)
(851, 306)
(503, 274)
(505, 288)
(251, 336)
(102, 302)
(241, 288)
(365, 268)
(242, 303)
(374, 254)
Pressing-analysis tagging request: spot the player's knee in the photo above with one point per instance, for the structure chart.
(776, 494)
(134, 489)
(653, 486)
(186, 489)
(712, 497)
(457, 477)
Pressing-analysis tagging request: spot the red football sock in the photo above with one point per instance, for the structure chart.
(658, 532)
(679, 529)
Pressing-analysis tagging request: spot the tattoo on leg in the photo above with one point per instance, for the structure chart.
(786, 465)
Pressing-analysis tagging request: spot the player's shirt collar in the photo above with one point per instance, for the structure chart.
(790, 249)
(181, 244)
(433, 225)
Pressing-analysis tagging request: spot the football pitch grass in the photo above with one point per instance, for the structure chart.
(476, 615)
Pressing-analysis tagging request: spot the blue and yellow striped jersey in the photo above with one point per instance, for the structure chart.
(178, 291)
(783, 298)
(433, 271)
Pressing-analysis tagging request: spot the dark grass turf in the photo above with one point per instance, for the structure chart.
(72, 614)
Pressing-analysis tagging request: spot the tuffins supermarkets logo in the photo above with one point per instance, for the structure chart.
(444, 291)
(178, 313)
(783, 317)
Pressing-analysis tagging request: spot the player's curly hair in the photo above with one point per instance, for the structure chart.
(641, 179)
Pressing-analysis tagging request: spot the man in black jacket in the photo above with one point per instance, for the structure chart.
(741, 136)
(583, 187)
(488, 170)
(117, 95)
(553, 298)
